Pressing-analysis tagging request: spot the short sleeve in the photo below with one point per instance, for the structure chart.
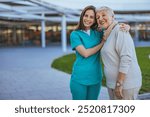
(75, 40)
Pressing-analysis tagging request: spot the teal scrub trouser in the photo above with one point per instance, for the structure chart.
(84, 92)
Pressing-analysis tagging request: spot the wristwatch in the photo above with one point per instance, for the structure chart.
(118, 84)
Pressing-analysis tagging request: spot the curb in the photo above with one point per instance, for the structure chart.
(145, 96)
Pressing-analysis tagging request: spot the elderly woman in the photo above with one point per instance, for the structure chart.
(123, 74)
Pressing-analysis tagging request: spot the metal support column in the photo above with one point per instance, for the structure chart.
(43, 42)
(63, 34)
(136, 36)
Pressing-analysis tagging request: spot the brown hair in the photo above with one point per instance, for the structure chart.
(80, 25)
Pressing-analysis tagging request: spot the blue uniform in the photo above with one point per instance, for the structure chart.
(86, 71)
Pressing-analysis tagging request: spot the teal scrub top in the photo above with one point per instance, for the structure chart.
(86, 71)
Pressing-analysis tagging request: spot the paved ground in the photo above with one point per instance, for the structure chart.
(25, 74)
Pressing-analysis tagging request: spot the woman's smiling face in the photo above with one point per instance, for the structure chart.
(88, 19)
(104, 19)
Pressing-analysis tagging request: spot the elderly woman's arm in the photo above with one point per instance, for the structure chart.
(124, 48)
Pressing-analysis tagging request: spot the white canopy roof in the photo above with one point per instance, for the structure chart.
(52, 10)
(117, 5)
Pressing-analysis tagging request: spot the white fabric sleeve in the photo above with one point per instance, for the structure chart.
(124, 48)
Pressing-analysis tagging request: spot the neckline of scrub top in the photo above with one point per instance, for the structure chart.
(88, 32)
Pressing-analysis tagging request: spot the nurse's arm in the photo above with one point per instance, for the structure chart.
(90, 51)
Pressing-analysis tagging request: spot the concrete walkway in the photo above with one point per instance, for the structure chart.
(25, 74)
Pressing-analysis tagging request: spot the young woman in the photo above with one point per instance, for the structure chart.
(86, 75)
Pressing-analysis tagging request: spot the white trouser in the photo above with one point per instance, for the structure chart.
(128, 94)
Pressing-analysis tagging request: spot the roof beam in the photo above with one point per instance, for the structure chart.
(7, 7)
(135, 18)
(36, 10)
(23, 2)
(22, 16)
(9, 0)
(50, 6)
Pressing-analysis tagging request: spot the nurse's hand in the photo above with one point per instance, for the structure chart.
(124, 27)
(108, 31)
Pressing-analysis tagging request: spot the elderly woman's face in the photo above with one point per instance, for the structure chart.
(104, 19)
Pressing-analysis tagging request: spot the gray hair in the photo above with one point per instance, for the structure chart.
(107, 9)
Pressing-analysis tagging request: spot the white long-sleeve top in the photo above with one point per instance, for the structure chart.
(118, 55)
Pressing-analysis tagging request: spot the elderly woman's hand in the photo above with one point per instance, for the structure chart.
(118, 91)
(124, 27)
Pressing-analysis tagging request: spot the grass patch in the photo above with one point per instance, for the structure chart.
(143, 56)
(65, 64)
